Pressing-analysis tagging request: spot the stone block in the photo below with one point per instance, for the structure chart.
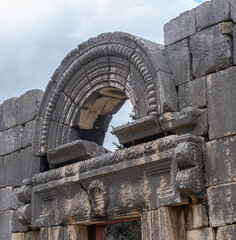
(226, 233)
(180, 27)
(211, 13)
(181, 70)
(8, 114)
(206, 234)
(15, 201)
(193, 94)
(10, 140)
(221, 204)
(201, 127)
(221, 100)
(234, 43)
(196, 216)
(6, 225)
(16, 225)
(211, 51)
(5, 198)
(226, 28)
(1, 170)
(220, 161)
(74, 151)
(28, 105)
(19, 166)
(233, 10)
(28, 132)
(51, 233)
(76, 232)
(26, 236)
(138, 129)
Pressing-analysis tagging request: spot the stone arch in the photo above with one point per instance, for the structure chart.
(92, 83)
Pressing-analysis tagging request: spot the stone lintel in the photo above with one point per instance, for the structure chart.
(74, 151)
(175, 122)
(164, 172)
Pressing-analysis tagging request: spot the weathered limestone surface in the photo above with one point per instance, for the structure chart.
(10, 140)
(233, 10)
(211, 51)
(74, 151)
(161, 224)
(180, 27)
(193, 94)
(27, 106)
(206, 234)
(26, 236)
(52, 233)
(27, 135)
(234, 39)
(197, 216)
(8, 114)
(210, 13)
(226, 232)
(181, 70)
(6, 225)
(18, 166)
(221, 99)
(75, 232)
(221, 203)
(5, 198)
(220, 161)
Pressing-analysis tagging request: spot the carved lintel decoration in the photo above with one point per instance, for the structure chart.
(163, 172)
(24, 192)
(24, 215)
(97, 196)
(190, 178)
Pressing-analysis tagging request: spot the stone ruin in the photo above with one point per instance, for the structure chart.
(177, 170)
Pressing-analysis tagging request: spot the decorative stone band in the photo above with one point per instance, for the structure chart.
(158, 173)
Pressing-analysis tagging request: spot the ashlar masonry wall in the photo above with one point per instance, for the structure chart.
(200, 48)
(17, 121)
(200, 51)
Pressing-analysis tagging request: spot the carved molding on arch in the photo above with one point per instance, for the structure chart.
(116, 61)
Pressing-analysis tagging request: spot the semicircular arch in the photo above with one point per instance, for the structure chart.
(92, 83)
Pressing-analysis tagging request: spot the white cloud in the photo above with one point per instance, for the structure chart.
(37, 34)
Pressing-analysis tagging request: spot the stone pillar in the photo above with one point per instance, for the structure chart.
(165, 223)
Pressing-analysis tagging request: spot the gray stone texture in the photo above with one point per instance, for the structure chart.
(197, 216)
(213, 12)
(221, 99)
(16, 225)
(211, 51)
(226, 232)
(28, 105)
(206, 234)
(5, 225)
(180, 27)
(5, 198)
(192, 94)
(26, 236)
(181, 69)
(220, 161)
(10, 140)
(221, 203)
(52, 233)
(234, 43)
(8, 114)
(28, 132)
(233, 10)
(201, 127)
(18, 166)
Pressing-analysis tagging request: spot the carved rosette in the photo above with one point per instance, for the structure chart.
(24, 195)
(97, 196)
(190, 178)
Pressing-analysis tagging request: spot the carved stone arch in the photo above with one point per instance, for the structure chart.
(92, 83)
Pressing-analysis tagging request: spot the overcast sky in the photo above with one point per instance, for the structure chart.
(37, 34)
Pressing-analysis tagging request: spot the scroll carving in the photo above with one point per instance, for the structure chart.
(24, 195)
(190, 179)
